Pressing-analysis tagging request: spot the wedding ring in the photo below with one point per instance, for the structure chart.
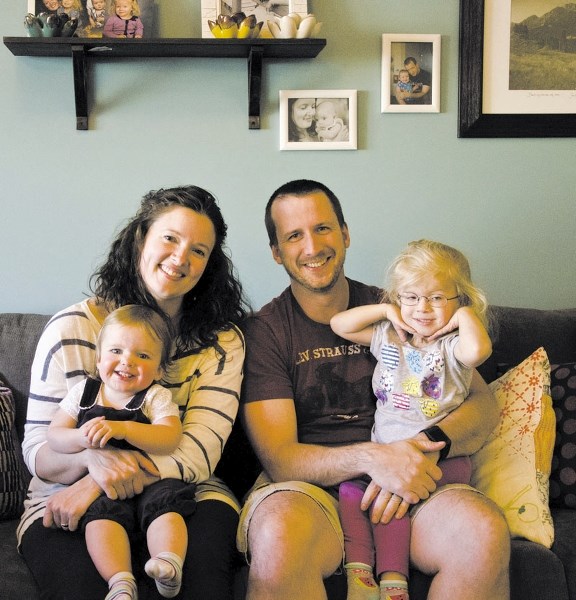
(64, 525)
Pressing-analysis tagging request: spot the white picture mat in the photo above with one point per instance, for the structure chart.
(387, 77)
(350, 95)
(496, 97)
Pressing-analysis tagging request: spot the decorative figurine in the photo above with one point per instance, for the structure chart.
(294, 26)
(237, 25)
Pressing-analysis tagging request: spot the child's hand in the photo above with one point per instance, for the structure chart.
(99, 431)
(453, 323)
(394, 315)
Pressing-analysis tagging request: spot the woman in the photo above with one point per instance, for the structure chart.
(169, 256)
(301, 114)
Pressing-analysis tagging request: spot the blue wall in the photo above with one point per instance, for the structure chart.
(508, 204)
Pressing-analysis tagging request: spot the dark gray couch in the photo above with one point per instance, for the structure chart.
(536, 572)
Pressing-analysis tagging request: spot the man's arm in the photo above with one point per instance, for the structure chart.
(420, 94)
(401, 467)
(472, 422)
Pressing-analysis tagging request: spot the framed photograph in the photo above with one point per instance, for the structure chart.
(516, 76)
(93, 15)
(410, 72)
(264, 10)
(318, 120)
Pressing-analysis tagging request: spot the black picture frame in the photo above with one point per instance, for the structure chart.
(472, 122)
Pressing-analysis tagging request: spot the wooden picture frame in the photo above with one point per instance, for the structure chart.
(318, 120)
(264, 10)
(410, 66)
(473, 120)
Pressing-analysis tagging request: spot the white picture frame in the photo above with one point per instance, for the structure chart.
(332, 115)
(405, 96)
(263, 9)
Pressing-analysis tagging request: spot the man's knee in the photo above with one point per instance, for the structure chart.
(460, 523)
(291, 524)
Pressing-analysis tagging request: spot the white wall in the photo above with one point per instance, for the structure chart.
(508, 204)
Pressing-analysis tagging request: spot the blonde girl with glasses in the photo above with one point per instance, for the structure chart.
(427, 335)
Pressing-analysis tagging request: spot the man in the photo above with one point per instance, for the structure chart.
(308, 409)
(422, 83)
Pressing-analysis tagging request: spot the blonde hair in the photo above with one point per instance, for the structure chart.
(148, 319)
(77, 5)
(424, 257)
(135, 8)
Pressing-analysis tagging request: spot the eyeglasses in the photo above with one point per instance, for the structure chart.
(436, 301)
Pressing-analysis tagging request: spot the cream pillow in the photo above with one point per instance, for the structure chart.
(513, 466)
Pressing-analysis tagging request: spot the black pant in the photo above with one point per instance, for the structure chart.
(63, 569)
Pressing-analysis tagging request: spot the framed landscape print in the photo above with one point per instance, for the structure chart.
(410, 73)
(264, 10)
(517, 72)
(318, 120)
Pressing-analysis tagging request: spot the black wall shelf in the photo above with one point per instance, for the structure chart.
(82, 50)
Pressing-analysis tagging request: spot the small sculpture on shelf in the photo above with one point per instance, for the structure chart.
(294, 25)
(50, 25)
(237, 25)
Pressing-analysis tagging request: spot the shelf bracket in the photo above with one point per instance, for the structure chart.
(79, 66)
(254, 86)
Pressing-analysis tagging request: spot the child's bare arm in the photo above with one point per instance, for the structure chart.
(160, 437)
(474, 345)
(64, 437)
(357, 324)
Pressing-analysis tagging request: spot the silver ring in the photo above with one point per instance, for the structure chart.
(64, 525)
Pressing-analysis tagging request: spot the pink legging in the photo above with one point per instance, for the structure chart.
(390, 542)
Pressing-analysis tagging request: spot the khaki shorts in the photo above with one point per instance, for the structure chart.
(329, 505)
(264, 488)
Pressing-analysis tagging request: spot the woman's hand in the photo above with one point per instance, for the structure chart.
(121, 473)
(65, 508)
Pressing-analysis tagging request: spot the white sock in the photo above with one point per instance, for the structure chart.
(166, 569)
(122, 586)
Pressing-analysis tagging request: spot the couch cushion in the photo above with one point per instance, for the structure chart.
(513, 465)
(16, 579)
(517, 332)
(563, 475)
(13, 482)
(19, 334)
(565, 545)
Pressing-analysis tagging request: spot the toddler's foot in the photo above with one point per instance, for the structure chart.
(361, 583)
(122, 586)
(393, 590)
(166, 569)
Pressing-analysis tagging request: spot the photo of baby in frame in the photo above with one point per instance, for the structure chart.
(318, 120)
(410, 73)
(105, 18)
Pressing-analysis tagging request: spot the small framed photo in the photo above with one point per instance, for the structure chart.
(410, 72)
(265, 10)
(318, 120)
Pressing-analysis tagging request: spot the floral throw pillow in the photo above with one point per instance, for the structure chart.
(513, 466)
